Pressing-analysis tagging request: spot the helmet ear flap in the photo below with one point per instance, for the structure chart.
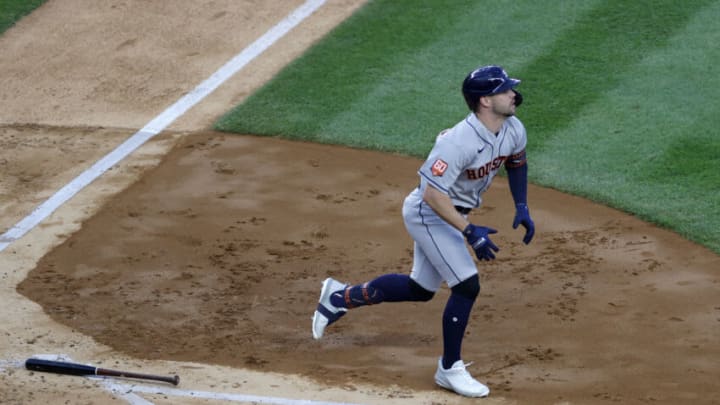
(518, 98)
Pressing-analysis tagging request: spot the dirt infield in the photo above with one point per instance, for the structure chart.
(202, 254)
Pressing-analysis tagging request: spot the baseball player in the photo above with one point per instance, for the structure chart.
(458, 170)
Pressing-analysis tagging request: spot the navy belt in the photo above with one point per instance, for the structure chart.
(463, 210)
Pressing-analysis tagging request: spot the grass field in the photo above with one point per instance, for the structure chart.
(621, 97)
(13, 10)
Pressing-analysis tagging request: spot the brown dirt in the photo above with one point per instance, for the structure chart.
(203, 253)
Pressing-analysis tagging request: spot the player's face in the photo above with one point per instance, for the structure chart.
(503, 103)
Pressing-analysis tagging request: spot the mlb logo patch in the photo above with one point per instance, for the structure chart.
(439, 167)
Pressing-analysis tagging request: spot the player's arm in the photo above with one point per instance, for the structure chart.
(444, 207)
(517, 169)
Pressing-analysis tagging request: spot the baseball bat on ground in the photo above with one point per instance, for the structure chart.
(61, 367)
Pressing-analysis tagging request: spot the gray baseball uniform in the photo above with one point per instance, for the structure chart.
(462, 164)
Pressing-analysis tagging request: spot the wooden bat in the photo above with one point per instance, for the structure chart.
(61, 367)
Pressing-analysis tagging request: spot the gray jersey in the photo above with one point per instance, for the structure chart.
(467, 157)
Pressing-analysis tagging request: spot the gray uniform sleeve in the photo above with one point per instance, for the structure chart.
(445, 163)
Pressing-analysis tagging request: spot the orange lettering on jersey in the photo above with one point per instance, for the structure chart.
(439, 167)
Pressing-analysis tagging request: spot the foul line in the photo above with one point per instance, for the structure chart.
(159, 123)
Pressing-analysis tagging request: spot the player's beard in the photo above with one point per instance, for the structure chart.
(507, 110)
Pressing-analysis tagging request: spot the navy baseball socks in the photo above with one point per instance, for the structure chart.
(389, 287)
(454, 321)
(336, 298)
(451, 373)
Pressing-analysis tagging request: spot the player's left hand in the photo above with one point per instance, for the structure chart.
(522, 217)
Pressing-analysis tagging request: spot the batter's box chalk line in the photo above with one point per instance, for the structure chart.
(124, 390)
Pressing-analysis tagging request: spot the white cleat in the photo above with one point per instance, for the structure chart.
(326, 313)
(457, 379)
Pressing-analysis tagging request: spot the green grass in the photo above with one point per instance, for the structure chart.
(590, 59)
(12, 10)
(654, 151)
(389, 79)
(621, 97)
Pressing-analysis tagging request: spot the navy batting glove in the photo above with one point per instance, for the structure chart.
(477, 237)
(522, 217)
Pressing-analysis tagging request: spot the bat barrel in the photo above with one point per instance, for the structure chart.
(61, 367)
(50, 366)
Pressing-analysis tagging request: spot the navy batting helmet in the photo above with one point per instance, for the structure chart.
(486, 81)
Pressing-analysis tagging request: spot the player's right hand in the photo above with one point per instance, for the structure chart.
(477, 237)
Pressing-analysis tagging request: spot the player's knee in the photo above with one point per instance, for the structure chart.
(419, 293)
(469, 288)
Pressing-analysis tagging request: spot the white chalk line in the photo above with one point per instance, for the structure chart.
(118, 388)
(159, 123)
(154, 127)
